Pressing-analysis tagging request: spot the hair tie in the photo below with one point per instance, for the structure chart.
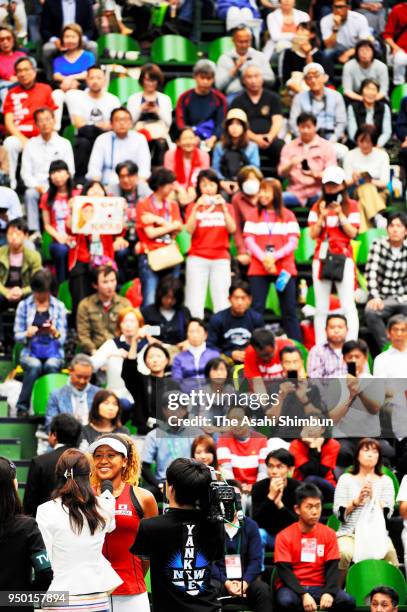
(68, 473)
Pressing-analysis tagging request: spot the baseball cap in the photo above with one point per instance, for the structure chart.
(114, 443)
(333, 174)
(237, 113)
(313, 66)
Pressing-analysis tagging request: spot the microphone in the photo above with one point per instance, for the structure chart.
(106, 489)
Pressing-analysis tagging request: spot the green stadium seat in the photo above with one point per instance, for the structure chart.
(42, 389)
(125, 288)
(158, 14)
(362, 577)
(69, 133)
(398, 93)
(219, 46)
(46, 243)
(184, 241)
(116, 42)
(333, 522)
(305, 248)
(124, 87)
(366, 240)
(272, 301)
(303, 351)
(173, 49)
(17, 348)
(178, 86)
(64, 295)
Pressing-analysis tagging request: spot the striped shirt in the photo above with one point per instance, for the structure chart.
(243, 460)
(338, 241)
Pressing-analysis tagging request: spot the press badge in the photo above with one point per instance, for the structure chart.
(308, 550)
(323, 250)
(233, 567)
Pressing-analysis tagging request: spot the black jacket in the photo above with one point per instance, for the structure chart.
(52, 18)
(41, 480)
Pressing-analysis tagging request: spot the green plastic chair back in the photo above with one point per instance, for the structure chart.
(219, 46)
(272, 301)
(208, 301)
(64, 294)
(310, 300)
(303, 351)
(46, 243)
(178, 86)
(355, 244)
(158, 14)
(69, 133)
(184, 241)
(362, 577)
(386, 347)
(42, 389)
(170, 48)
(124, 87)
(116, 42)
(125, 288)
(233, 247)
(305, 248)
(333, 522)
(366, 240)
(398, 93)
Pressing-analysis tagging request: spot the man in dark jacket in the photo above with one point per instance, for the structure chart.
(64, 433)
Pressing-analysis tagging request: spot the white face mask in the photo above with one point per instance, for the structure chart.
(251, 187)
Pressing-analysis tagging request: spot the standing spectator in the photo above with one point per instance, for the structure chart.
(244, 203)
(264, 112)
(40, 324)
(386, 275)
(37, 157)
(271, 236)
(282, 26)
(19, 106)
(210, 221)
(203, 108)
(326, 360)
(309, 579)
(370, 111)
(231, 64)
(361, 67)
(158, 221)
(401, 133)
(303, 161)
(334, 221)
(104, 418)
(395, 35)
(90, 113)
(116, 146)
(342, 30)
(8, 56)
(262, 356)
(230, 330)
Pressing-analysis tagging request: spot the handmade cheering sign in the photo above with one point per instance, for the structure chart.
(97, 215)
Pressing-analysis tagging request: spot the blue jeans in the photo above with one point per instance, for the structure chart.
(59, 253)
(333, 54)
(290, 200)
(33, 369)
(290, 601)
(149, 279)
(267, 541)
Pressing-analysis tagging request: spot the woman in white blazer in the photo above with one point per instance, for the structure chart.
(73, 525)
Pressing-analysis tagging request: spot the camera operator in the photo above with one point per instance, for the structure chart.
(182, 543)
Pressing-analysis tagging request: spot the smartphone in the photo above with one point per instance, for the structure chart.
(292, 374)
(351, 365)
(305, 164)
(153, 330)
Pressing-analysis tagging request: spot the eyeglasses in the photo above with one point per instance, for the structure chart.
(5, 38)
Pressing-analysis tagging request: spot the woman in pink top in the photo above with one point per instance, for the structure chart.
(8, 57)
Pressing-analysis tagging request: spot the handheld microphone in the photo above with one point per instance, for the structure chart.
(106, 489)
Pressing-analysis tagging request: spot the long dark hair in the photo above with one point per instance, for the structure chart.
(100, 397)
(74, 488)
(366, 443)
(56, 165)
(345, 201)
(226, 138)
(10, 505)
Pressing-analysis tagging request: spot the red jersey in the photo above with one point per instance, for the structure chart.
(59, 210)
(23, 102)
(396, 27)
(169, 211)
(118, 542)
(245, 456)
(307, 552)
(210, 238)
(254, 367)
(329, 455)
(269, 229)
(338, 241)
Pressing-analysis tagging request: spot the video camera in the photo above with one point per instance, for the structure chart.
(223, 501)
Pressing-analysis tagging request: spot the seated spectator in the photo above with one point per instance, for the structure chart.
(264, 127)
(90, 113)
(8, 56)
(402, 501)
(18, 264)
(230, 330)
(236, 12)
(334, 221)
(354, 489)
(118, 145)
(395, 35)
(158, 221)
(386, 275)
(39, 152)
(186, 161)
(326, 360)
(315, 460)
(342, 30)
(271, 237)
(401, 133)
(273, 498)
(41, 325)
(19, 106)
(76, 396)
(230, 64)
(244, 203)
(10, 209)
(54, 17)
(17, 15)
(234, 151)
(168, 313)
(70, 69)
(217, 392)
(308, 580)
(282, 25)
(324, 103)
(242, 539)
(210, 221)
(204, 107)
(370, 111)
(104, 417)
(384, 596)
(203, 449)
(64, 433)
(188, 367)
(262, 356)
(303, 161)
(361, 67)
(54, 206)
(375, 14)
(97, 315)
(367, 170)
(151, 111)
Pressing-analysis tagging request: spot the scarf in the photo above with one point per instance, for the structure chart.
(179, 166)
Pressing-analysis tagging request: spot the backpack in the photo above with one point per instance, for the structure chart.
(232, 161)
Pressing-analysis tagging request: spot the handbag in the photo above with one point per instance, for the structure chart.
(371, 539)
(333, 267)
(157, 128)
(44, 347)
(165, 257)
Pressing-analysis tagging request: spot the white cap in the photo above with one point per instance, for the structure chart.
(114, 443)
(313, 66)
(333, 174)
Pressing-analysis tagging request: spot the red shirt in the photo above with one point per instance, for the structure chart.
(245, 456)
(338, 241)
(243, 210)
(268, 229)
(23, 102)
(255, 367)
(307, 552)
(329, 455)
(210, 238)
(396, 27)
(170, 212)
(59, 210)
